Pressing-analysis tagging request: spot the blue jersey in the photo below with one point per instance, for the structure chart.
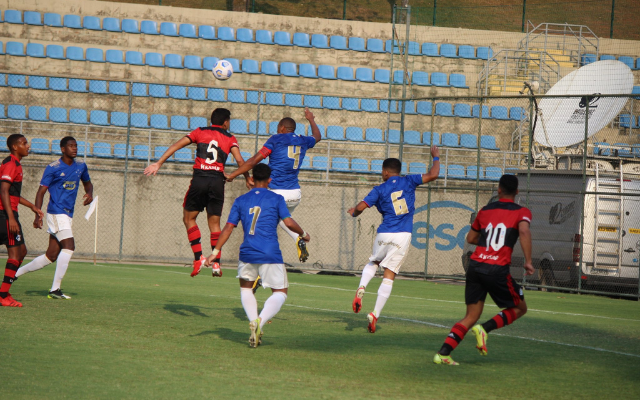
(286, 152)
(63, 180)
(395, 200)
(260, 211)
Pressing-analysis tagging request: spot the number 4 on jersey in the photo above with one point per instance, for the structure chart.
(294, 152)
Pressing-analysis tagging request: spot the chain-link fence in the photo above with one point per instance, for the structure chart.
(583, 195)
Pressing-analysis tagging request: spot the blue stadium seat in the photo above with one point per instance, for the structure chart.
(75, 53)
(484, 53)
(118, 88)
(215, 94)
(399, 77)
(111, 24)
(605, 57)
(375, 45)
(274, 98)
(448, 50)
(636, 91)
(55, 51)
(492, 173)
(424, 107)
(78, 116)
(320, 163)
(149, 27)
(628, 61)
(450, 140)
(312, 101)
(360, 165)
(369, 105)
(133, 58)
(354, 134)
(139, 120)
(15, 49)
(130, 26)
(207, 32)
(376, 166)
(364, 75)
(159, 121)
(187, 31)
(78, 85)
(238, 126)
(456, 171)
(293, 100)
(439, 79)
(236, 96)
(499, 112)
(173, 61)
(40, 146)
(179, 122)
(245, 35)
(209, 62)
(32, 18)
(3, 82)
(262, 127)
(340, 164)
(197, 122)
(443, 109)
(598, 150)
(319, 41)
(412, 137)
(357, 44)
(474, 173)
(308, 71)
(17, 81)
(331, 102)
(95, 55)
(158, 151)
(288, 69)
(98, 117)
(193, 62)
(385, 106)
(350, 104)
(414, 48)
(326, 72)
(120, 150)
(267, 67)
(624, 149)
(338, 42)
(37, 113)
(417, 168)
(335, 132)
(184, 155)
(475, 111)
(102, 150)
(373, 135)
(13, 16)
(53, 19)
(381, 75)
(273, 127)
(250, 66)
(623, 119)
(430, 50)
(410, 107)
(235, 64)
(92, 23)
(15, 111)
(98, 87)
(420, 78)
(588, 59)
(517, 113)
(394, 136)
(72, 21)
(114, 56)
(458, 81)
(488, 142)
(84, 148)
(226, 33)
(152, 59)
(468, 52)
(301, 39)
(468, 141)
(264, 36)
(59, 84)
(345, 74)
(462, 110)
(177, 92)
(122, 119)
(387, 46)
(254, 96)
(282, 38)
(38, 82)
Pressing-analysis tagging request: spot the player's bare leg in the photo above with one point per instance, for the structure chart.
(214, 228)
(459, 330)
(193, 232)
(383, 295)
(368, 272)
(15, 256)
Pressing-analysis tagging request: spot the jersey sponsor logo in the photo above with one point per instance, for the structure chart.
(382, 243)
(69, 185)
(6, 177)
(447, 236)
(210, 167)
(18, 237)
(488, 257)
(62, 174)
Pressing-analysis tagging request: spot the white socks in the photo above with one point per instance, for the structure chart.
(272, 306)
(368, 272)
(61, 268)
(291, 233)
(383, 294)
(249, 303)
(37, 263)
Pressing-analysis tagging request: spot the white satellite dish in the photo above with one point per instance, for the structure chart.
(561, 121)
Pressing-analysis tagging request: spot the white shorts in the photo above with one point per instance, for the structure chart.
(273, 276)
(292, 197)
(390, 250)
(59, 225)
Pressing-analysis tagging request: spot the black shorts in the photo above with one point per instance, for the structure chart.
(495, 280)
(205, 191)
(6, 237)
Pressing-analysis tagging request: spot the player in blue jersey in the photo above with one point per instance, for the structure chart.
(62, 179)
(286, 151)
(394, 199)
(260, 210)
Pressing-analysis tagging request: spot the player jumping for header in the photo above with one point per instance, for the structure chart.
(61, 179)
(395, 200)
(495, 231)
(206, 190)
(260, 211)
(286, 151)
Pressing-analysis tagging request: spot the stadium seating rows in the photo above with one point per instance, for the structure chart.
(628, 61)
(266, 37)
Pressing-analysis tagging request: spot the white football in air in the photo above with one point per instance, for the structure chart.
(222, 70)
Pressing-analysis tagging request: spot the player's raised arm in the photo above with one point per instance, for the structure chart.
(315, 132)
(152, 169)
(235, 152)
(525, 243)
(293, 225)
(435, 168)
(246, 166)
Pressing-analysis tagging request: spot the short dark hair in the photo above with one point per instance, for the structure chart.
(288, 123)
(261, 173)
(13, 139)
(219, 116)
(508, 184)
(392, 165)
(65, 140)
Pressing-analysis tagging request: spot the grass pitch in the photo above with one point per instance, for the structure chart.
(153, 332)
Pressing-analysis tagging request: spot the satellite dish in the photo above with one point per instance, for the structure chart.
(563, 119)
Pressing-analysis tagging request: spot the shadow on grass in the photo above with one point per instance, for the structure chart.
(45, 293)
(185, 310)
(226, 334)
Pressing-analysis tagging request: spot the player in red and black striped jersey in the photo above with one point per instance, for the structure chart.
(495, 231)
(213, 145)
(10, 229)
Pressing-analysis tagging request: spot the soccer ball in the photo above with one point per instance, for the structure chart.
(222, 70)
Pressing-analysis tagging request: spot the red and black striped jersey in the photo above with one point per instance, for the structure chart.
(11, 171)
(498, 223)
(213, 147)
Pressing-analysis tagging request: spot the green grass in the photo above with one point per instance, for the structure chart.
(154, 332)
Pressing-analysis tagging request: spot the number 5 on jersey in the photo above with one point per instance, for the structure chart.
(213, 149)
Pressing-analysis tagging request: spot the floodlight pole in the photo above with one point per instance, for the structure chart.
(613, 8)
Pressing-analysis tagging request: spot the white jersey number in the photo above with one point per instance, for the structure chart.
(256, 214)
(496, 236)
(294, 152)
(213, 149)
(399, 205)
